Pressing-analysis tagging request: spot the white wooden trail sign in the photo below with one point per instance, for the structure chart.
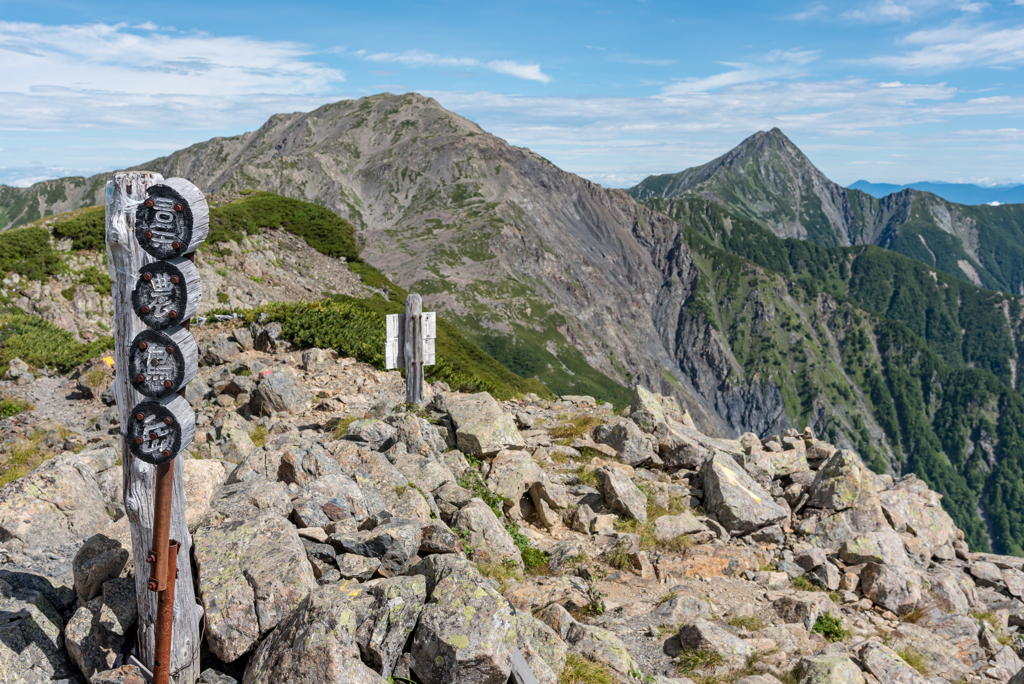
(409, 344)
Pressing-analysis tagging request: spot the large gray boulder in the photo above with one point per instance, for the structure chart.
(395, 543)
(481, 426)
(315, 643)
(840, 482)
(93, 647)
(99, 559)
(58, 503)
(31, 630)
(828, 669)
(513, 472)
(893, 587)
(484, 533)
(621, 494)
(276, 392)
(252, 572)
(739, 503)
(627, 439)
(886, 666)
(393, 615)
(466, 633)
(645, 410)
(703, 635)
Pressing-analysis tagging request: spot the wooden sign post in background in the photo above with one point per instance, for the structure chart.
(410, 344)
(152, 227)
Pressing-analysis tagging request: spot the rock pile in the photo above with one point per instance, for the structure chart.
(343, 536)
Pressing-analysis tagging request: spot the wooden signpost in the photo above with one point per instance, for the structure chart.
(410, 344)
(153, 227)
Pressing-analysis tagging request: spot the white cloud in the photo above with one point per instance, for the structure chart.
(887, 10)
(417, 58)
(530, 72)
(960, 45)
(776, 64)
(103, 75)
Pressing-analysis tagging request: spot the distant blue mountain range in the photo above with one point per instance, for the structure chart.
(961, 193)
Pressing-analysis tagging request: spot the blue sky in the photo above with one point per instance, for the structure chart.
(887, 90)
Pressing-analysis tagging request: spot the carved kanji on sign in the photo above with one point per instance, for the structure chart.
(158, 430)
(173, 220)
(167, 293)
(162, 362)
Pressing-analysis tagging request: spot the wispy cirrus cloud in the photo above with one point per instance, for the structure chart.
(417, 58)
(776, 64)
(113, 75)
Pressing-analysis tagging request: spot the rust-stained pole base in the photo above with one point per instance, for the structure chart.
(165, 618)
(163, 557)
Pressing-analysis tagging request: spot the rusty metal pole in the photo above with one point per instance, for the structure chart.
(165, 617)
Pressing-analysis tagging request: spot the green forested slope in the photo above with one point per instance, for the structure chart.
(931, 357)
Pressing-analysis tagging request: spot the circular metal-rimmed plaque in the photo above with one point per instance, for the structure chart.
(162, 362)
(159, 429)
(173, 220)
(167, 293)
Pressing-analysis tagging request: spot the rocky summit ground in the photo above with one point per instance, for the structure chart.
(341, 535)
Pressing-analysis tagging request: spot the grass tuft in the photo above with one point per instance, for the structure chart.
(12, 406)
(580, 670)
(259, 435)
(575, 427)
(915, 659)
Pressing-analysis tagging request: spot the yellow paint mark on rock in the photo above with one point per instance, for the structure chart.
(735, 481)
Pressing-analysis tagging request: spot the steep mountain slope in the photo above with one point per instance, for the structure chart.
(767, 179)
(553, 275)
(556, 277)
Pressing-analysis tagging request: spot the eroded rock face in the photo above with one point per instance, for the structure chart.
(31, 630)
(740, 504)
(60, 502)
(315, 642)
(485, 534)
(392, 617)
(481, 427)
(840, 482)
(466, 633)
(252, 572)
(621, 494)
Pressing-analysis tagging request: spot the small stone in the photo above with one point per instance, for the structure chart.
(120, 607)
(99, 559)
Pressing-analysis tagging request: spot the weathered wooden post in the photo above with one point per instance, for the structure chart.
(410, 344)
(149, 219)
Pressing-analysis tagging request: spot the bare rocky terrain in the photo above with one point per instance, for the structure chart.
(341, 535)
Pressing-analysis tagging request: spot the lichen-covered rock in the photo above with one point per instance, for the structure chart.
(703, 635)
(466, 633)
(126, 674)
(669, 527)
(395, 543)
(481, 426)
(627, 439)
(120, 608)
(513, 472)
(278, 391)
(894, 588)
(201, 480)
(840, 482)
(92, 647)
(99, 559)
(543, 640)
(31, 639)
(252, 572)
(58, 503)
(484, 533)
(739, 503)
(681, 448)
(393, 615)
(621, 494)
(315, 643)
(883, 546)
(828, 669)
(882, 662)
(645, 410)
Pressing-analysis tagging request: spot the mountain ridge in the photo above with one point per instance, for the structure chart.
(768, 180)
(959, 193)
